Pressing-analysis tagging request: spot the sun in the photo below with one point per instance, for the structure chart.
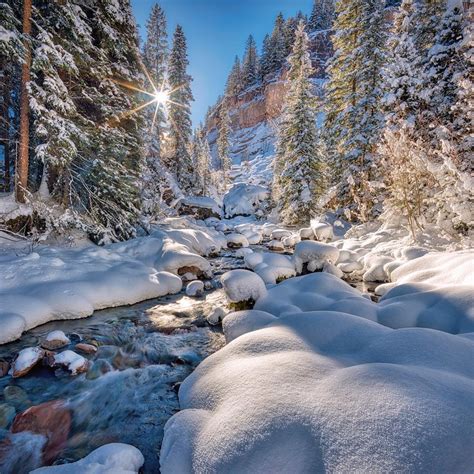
(161, 97)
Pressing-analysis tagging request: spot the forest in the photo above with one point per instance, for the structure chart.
(281, 284)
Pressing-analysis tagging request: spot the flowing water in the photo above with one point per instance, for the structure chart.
(130, 391)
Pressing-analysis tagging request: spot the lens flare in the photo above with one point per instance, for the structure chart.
(162, 97)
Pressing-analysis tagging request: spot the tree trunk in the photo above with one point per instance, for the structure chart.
(5, 118)
(23, 158)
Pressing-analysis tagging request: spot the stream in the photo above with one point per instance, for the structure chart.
(130, 391)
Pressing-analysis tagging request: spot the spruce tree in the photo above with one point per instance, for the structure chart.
(155, 55)
(201, 162)
(402, 76)
(250, 64)
(265, 66)
(180, 112)
(322, 15)
(299, 171)
(354, 119)
(234, 81)
(223, 143)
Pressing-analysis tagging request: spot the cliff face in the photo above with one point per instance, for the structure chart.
(253, 111)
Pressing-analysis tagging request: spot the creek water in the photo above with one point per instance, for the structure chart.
(130, 391)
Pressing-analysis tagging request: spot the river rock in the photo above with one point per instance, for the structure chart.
(216, 316)
(276, 246)
(86, 348)
(52, 420)
(4, 368)
(26, 360)
(55, 340)
(73, 362)
(195, 288)
(7, 413)
(16, 396)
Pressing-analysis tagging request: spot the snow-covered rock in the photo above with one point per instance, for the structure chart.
(195, 288)
(236, 240)
(216, 316)
(114, 458)
(322, 231)
(72, 361)
(55, 340)
(278, 234)
(243, 285)
(201, 207)
(244, 199)
(375, 268)
(291, 240)
(315, 254)
(25, 360)
(306, 233)
(243, 252)
(333, 270)
(276, 245)
(271, 267)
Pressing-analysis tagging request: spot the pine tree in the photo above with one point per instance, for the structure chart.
(322, 15)
(180, 112)
(234, 81)
(402, 76)
(278, 44)
(354, 120)
(223, 143)
(250, 73)
(265, 67)
(155, 55)
(299, 171)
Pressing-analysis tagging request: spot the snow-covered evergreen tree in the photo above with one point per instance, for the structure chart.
(322, 15)
(354, 119)
(278, 50)
(223, 143)
(155, 56)
(299, 170)
(403, 73)
(265, 66)
(234, 81)
(250, 62)
(179, 161)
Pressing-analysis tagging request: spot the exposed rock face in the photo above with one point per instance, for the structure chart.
(264, 104)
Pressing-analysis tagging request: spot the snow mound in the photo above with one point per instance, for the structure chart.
(322, 231)
(326, 392)
(114, 458)
(271, 267)
(195, 288)
(201, 206)
(241, 322)
(244, 199)
(315, 254)
(236, 240)
(243, 285)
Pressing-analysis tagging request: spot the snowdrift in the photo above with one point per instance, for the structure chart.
(244, 200)
(315, 379)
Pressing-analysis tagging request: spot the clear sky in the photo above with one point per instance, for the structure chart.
(216, 31)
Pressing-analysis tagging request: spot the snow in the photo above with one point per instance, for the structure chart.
(271, 267)
(237, 240)
(315, 254)
(199, 202)
(26, 358)
(113, 458)
(75, 363)
(58, 336)
(241, 322)
(322, 231)
(244, 199)
(243, 285)
(55, 283)
(317, 377)
(195, 288)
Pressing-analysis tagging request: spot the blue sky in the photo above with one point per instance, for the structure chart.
(216, 31)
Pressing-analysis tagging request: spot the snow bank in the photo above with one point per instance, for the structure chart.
(243, 285)
(114, 458)
(62, 283)
(201, 206)
(327, 392)
(244, 199)
(241, 322)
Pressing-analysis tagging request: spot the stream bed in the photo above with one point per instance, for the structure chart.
(144, 352)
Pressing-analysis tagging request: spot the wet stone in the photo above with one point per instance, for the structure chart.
(16, 396)
(4, 368)
(86, 348)
(99, 367)
(7, 413)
